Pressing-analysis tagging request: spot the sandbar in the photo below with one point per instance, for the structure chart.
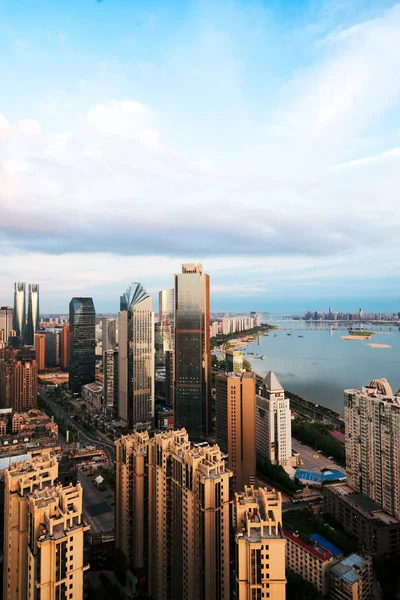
(355, 337)
(379, 345)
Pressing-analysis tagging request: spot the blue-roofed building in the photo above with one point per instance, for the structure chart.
(324, 543)
(351, 578)
(318, 478)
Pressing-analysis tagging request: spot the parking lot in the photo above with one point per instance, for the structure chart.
(313, 460)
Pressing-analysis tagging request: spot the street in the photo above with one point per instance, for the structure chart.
(84, 436)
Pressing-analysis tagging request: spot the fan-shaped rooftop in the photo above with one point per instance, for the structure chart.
(133, 295)
(382, 386)
(271, 383)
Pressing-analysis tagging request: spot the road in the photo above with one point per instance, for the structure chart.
(83, 435)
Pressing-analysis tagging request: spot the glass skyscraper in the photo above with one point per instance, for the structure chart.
(82, 330)
(33, 313)
(136, 356)
(192, 389)
(19, 321)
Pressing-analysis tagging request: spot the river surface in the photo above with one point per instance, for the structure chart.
(320, 365)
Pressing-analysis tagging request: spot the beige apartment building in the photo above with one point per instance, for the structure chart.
(236, 424)
(260, 545)
(189, 520)
(351, 578)
(130, 499)
(372, 419)
(43, 533)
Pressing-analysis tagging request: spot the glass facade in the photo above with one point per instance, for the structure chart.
(53, 347)
(82, 323)
(192, 351)
(33, 313)
(19, 323)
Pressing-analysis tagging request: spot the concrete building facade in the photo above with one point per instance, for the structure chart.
(18, 379)
(273, 422)
(351, 578)
(40, 350)
(235, 408)
(260, 545)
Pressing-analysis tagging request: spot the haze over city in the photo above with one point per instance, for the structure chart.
(261, 139)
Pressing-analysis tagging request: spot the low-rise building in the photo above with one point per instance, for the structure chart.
(377, 531)
(351, 578)
(309, 559)
(93, 393)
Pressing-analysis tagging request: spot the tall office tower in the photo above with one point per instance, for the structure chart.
(166, 319)
(6, 325)
(82, 335)
(43, 533)
(19, 324)
(40, 351)
(235, 408)
(372, 421)
(53, 347)
(260, 545)
(33, 313)
(18, 379)
(192, 391)
(273, 422)
(234, 361)
(108, 334)
(110, 382)
(65, 352)
(189, 520)
(158, 345)
(169, 377)
(136, 356)
(131, 507)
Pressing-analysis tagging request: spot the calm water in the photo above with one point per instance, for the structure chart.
(320, 365)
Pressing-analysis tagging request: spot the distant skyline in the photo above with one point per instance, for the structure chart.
(261, 139)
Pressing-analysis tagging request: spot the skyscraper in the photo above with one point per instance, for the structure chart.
(189, 520)
(260, 545)
(166, 319)
(6, 324)
(18, 379)
(235, 408)
(19, 324)
(40, 351)
(372, 421)
(33, 313)
(273, 422)
(136, 356)
(65, 352)
(53, 346)
(82, 329)
(43, 533)
(110, 382)
(108, 334)
(192, 388)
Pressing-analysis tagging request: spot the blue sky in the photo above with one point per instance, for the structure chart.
(259, 138)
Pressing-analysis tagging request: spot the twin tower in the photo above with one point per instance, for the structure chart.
(25, 325)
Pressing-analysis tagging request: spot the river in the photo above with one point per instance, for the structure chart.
(320, 365)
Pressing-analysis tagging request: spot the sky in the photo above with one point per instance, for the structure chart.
(260, 138)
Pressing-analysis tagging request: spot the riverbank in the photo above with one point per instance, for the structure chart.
(239, 339)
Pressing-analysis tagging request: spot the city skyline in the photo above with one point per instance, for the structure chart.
(259, 162)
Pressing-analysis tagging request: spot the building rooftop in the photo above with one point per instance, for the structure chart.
(349, 568)
(362, 503)
(319, 477)
(309, 545)
(271, 382)
(324, 543)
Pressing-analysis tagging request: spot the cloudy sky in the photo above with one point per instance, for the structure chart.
(261, 138)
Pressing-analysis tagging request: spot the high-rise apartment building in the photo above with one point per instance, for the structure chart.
(33, 313)
(260, 545)
(352, 578)
(43, 533)
(82, 330)
(234, 361)
(189, 507)
(6, 325)
(19, 323)
(18, 379)
(273, 422)
(40, 351)
(53, 347)
(136, 356)
(64, 352)
(131, 508)
(110, 382)
(235, 408)
(372, 421)
(108, 334)
(192, 390)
